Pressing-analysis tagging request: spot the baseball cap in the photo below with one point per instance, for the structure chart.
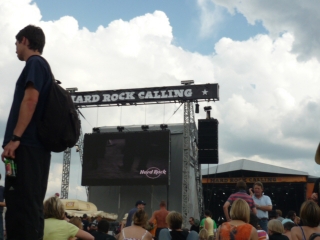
(140, 202)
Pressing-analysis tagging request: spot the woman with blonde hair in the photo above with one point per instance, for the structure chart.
(136, 231)
(203, 234)
(55, 227)
(238, 228)
(310, 217)
(276, 230)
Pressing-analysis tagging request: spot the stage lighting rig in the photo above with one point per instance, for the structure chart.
(120, 128)
(145, 127)
(207, 109)
(197, 108)
(187, 82)
(163, 126)
(96, 130)
(71, 90)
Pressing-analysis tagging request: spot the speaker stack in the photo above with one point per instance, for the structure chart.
(208, 141)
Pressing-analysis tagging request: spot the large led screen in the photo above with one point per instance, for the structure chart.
(126, 158)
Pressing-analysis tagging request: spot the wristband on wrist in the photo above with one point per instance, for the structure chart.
(15, 138)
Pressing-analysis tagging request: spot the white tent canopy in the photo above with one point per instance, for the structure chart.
(76, 208)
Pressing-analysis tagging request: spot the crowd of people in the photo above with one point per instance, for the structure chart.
(248, 216)
(242, 224)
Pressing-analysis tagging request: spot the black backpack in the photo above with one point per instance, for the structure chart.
(59, 126)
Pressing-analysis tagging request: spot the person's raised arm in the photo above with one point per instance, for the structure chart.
(84, 235)
(225, 210)
(264, 208)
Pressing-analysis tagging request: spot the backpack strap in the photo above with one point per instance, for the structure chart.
(53, 79)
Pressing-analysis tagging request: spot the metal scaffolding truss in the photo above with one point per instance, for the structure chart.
(186, 163)
(190, 159)
(66, 166)
(65, 173)
(194, 155)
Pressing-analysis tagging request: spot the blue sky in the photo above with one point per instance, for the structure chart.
(184, 17)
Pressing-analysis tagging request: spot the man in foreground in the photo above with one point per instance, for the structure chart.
(24, 194)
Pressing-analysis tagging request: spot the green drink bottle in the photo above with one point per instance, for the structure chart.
(11, 167)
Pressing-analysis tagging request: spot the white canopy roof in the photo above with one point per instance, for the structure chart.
(77, 208)
(249, 165)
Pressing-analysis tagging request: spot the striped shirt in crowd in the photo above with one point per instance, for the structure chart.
(243, 195)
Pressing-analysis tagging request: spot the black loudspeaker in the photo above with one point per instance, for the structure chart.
(208, 141)
(208, 156)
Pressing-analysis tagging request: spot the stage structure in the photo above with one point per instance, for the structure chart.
(186, 94)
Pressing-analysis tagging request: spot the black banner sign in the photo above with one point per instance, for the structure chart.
(147, 95)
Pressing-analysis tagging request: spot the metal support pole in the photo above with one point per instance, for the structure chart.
(65, 173)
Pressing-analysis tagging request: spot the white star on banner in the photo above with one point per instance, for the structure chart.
(204, 92)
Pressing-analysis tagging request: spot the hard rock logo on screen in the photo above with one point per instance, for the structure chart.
(153, 172)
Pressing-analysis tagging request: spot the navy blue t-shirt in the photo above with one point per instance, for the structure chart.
(130, 215)
(36, 71)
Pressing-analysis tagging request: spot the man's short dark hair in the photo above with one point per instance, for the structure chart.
(207, 212)
(241, 185)
(291, 214)
(288, 226)
(103, 226)
(192, 218)
(35, 35)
